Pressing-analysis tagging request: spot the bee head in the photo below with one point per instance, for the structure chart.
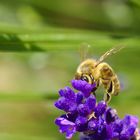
(85, 77)
(85, 71)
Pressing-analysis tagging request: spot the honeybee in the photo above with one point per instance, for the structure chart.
(101, 73)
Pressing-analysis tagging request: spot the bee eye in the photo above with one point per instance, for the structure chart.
(85, 78)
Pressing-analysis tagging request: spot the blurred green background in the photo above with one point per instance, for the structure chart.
(50, 33)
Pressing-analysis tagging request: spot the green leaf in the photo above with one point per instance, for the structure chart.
(63, 40)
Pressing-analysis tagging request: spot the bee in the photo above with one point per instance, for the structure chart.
(101, 73)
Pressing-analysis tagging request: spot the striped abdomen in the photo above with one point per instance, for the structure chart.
(109, 79)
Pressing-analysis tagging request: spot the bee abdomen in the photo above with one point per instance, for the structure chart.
(110, 80)
(116, 85)
(105, 82)
(107, 72)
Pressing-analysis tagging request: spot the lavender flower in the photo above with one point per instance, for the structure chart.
(95, 121)
(83, 86)
(66, 126)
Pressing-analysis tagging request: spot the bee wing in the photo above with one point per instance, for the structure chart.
(108, 53)
(83, 51)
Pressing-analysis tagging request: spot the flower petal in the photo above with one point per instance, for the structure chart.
(81, 123)
(83, 86)
(91, 102)
(100, 108)
(66, 126)
(79, 97)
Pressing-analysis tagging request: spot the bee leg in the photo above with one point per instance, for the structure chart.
(110, 87)
(107, 97)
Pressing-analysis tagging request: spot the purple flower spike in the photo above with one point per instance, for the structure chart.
(81, 123)
(62, 104)
(100, 108)
(68, 93)
(130, 120)
(95, 120)
(117, 126)
(67, 100)
(79, 97)
(66, 126)
(93, 125)
(83, 86)
(129, 125)
(83, 110)
(91, 102)
(125, 129)
(66, 105)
